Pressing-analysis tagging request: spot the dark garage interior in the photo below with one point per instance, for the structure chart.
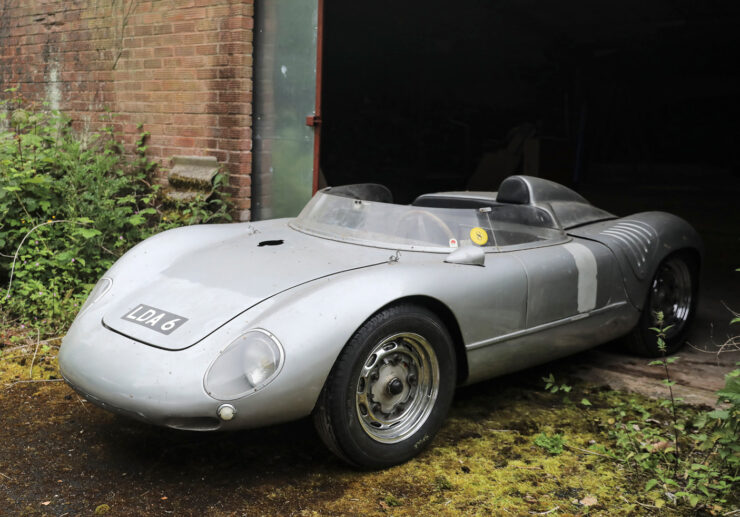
(435, 95)
(634, 104)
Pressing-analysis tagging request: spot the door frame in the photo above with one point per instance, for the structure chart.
(316, 121)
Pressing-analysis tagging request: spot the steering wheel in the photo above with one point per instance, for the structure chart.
(413, 224)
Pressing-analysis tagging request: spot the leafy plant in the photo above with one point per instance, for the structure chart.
(681, 457)
(553, 386)
(661, 330)
(552, 444)
(69, 207)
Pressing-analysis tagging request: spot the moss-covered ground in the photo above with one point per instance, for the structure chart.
(59, 455)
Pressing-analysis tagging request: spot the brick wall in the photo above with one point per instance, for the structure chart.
(181, 68)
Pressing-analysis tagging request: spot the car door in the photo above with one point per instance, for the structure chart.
(567, 280)
(563, 287)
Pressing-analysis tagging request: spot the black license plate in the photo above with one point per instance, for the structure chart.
(156, 319)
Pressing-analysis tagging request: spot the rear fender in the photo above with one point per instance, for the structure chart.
(640, 243)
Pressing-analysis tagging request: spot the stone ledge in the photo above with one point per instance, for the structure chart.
(190, 177)
(193, 172)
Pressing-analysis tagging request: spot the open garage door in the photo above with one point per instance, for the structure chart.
(287, 106)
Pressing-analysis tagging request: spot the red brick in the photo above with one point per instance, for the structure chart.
(181, 27)
(163, 51)
(184, 51)
(181, 14)
(183, 69)
(206, 50)
(237, 22)
(241, 180)
(163, 28)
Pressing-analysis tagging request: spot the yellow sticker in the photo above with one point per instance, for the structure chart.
(479, 236)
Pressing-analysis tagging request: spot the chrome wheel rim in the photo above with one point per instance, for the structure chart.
(671, 293)
(397, 387)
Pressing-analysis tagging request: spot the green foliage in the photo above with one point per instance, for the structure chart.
(552, 444)
(688, 459)
(69, 207)
(553, 386)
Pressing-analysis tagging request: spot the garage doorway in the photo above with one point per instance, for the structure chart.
(431, 95)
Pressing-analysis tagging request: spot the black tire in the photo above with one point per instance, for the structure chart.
(389, 390)
(674, 291)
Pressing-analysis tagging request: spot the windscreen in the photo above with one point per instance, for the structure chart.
(410, 227)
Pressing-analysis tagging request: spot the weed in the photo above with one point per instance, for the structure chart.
(552, 444)
(686, 458)
(69, 208)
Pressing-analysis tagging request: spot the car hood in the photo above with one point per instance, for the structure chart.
(206, 285)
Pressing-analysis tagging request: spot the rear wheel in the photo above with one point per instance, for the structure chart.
(389, 390)
(673, 292)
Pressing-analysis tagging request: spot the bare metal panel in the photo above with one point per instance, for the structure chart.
(284, 95)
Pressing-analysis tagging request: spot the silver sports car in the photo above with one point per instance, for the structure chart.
(367, 314)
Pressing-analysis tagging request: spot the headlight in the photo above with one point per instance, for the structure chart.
(248, 364)
(102, 287)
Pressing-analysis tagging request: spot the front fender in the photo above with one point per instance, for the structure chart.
(315, 321)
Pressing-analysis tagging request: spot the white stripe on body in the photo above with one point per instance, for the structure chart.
(587, 275)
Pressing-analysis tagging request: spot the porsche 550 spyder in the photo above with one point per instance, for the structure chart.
(367, 314)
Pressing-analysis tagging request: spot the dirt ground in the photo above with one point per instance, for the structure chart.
(59, 455)
(62, 456)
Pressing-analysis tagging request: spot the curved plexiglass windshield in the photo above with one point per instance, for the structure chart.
(379, 224)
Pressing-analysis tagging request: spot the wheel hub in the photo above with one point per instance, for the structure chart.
(671, 294)
(397, 387)
(389, 390)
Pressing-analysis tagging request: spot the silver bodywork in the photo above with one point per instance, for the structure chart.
(507, 307)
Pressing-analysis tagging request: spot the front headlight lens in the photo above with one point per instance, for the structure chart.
(248, 364)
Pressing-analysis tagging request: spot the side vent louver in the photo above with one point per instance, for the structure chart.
(636, 239)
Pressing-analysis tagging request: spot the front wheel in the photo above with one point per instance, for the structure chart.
(390, 389)
(673, 292)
